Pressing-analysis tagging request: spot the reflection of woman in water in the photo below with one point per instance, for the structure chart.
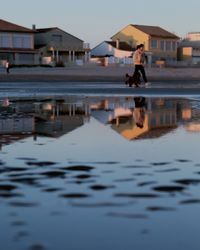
(139, 111)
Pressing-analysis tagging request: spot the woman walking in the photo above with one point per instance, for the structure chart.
(139, 59)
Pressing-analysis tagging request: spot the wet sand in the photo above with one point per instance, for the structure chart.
(96, 80)
(92, 73)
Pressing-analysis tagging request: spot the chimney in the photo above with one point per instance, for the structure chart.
(117, 44)
(33, 27)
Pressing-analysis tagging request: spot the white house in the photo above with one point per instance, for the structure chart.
(116, 52)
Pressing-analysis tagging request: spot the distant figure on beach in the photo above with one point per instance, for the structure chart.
(7, 67)
(139, 60)
(139, 111)
(6, 102)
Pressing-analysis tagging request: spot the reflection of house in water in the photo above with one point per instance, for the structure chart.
(12, 122)
(160, 118)
(193, 124)
(111, 109)
(59, 126)
(58, 118)
(16, 124)
(50, 118)
(14, 127)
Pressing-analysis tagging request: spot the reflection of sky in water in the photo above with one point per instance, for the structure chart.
(129, 199)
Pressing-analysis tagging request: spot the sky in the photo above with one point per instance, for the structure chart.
(95, 21)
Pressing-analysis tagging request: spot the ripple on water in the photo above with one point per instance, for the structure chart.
(83, 176)
(26, 158)
(26, 180)
(7, 187)
(190, 202)
(127, 215)
(125, 180)
(100, 204)
(23, 204)
(160, 209)
(52, 190)
(137, 195)
(146, 183)
(2, 163)
(167, 170)
(183, 160)
(188, 181)
(54, 174)
(79, 168)
(160, 163)
(169, 189)
(75, 196)
(40, 163)
(99, 187)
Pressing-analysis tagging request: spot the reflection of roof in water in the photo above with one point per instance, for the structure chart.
(155, 133)
(60, 126)
(130, 131)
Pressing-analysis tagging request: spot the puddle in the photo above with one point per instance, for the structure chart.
(100, 173)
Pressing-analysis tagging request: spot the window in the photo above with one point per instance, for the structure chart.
(162, 45)
(22, 41)
(17, 42)
(154, 44)
(168, 46)
(174, 46)
(57, 38)
(5, 41)
(27, 42)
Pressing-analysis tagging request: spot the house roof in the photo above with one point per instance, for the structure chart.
(155, 31)
(122, 45)
(11, 27)
(45, 30)
(156, 133)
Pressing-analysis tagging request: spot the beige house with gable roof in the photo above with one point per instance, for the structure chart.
(161, 43)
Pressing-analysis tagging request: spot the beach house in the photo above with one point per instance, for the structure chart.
(112, 52)
(17, 44)
(161, 43)
(58, 47)
(189, 49)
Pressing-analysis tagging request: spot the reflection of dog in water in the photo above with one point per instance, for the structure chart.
(134, 79)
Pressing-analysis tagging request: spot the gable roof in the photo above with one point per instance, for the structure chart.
(122, 45)
(11, 27)
(45, 30)
(155, 31)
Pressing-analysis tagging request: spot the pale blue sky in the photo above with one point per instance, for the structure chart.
(97, 20)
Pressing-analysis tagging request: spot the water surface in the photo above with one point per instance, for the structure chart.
(77, 173)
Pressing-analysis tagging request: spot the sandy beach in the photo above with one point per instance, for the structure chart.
(93, 73)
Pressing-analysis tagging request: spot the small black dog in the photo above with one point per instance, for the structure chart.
(134, 79)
